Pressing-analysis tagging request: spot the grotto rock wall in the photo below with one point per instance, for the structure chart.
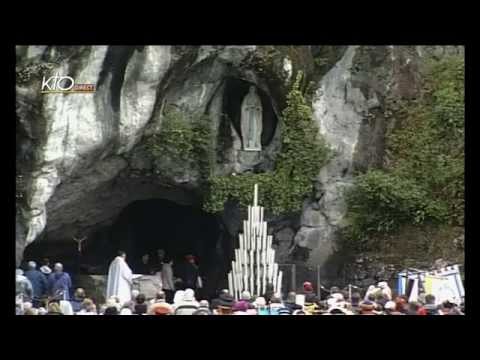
(81, 158)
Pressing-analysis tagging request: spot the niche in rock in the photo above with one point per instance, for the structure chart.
(235, 92)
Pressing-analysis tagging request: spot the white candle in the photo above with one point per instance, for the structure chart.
(230, 284)
(274, 280)
(252, 274)
(245, 233)
(279, 282)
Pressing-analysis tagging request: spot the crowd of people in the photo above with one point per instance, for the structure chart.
(47, 292)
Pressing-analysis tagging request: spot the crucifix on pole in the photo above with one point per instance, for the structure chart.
(79, 242)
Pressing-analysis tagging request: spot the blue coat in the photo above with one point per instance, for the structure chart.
(39, 282)
(60, 282)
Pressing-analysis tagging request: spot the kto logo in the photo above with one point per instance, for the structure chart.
(65, 85)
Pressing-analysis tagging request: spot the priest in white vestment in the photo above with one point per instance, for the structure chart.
(119, 281)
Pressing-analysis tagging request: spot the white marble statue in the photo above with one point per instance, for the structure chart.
(251, 121)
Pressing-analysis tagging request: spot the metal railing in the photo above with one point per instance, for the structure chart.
(294, 275)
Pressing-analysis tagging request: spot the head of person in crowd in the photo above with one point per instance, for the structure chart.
(79, 293)
(204, 304)
(88, 306)
(42, 311)
(161, 255)
(178, 297)
(334, 290)
(429, 299)
(54, 308)
(412, 308)
(240, 307)
(335, 298)
(391, 308)
(367, 308)
(66, 307)
(145, 259)
(140, 307)
(126, 311)
(448, 307)
(430, 307)
(31, 311)
(58, 268)
(402, 304)
(385, 290)
(111, 310)
(135, 293)
(160, 296)
(261, 306)
(189, 296)
(32, 265)
(291, 297)
(307, 287)
(246, 296)
(380, 298)
(162, 308)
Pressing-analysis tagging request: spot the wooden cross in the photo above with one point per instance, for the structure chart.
(79, 242)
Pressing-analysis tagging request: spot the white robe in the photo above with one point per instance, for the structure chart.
(119, 281)
(167, 277)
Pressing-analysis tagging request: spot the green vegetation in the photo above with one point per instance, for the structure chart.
(424, 181)
(302, 155)
(185, 138)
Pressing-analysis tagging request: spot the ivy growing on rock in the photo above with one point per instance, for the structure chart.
(303, 153)
(424, 181)
(185, 138)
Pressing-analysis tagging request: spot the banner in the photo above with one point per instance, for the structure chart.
(444, 284)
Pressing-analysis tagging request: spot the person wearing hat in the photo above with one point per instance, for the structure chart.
(38, 281)
(224, 300)
(45, 268)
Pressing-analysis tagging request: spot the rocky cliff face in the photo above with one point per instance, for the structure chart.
(81, 158)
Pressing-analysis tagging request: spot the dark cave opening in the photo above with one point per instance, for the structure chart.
(143, 227)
